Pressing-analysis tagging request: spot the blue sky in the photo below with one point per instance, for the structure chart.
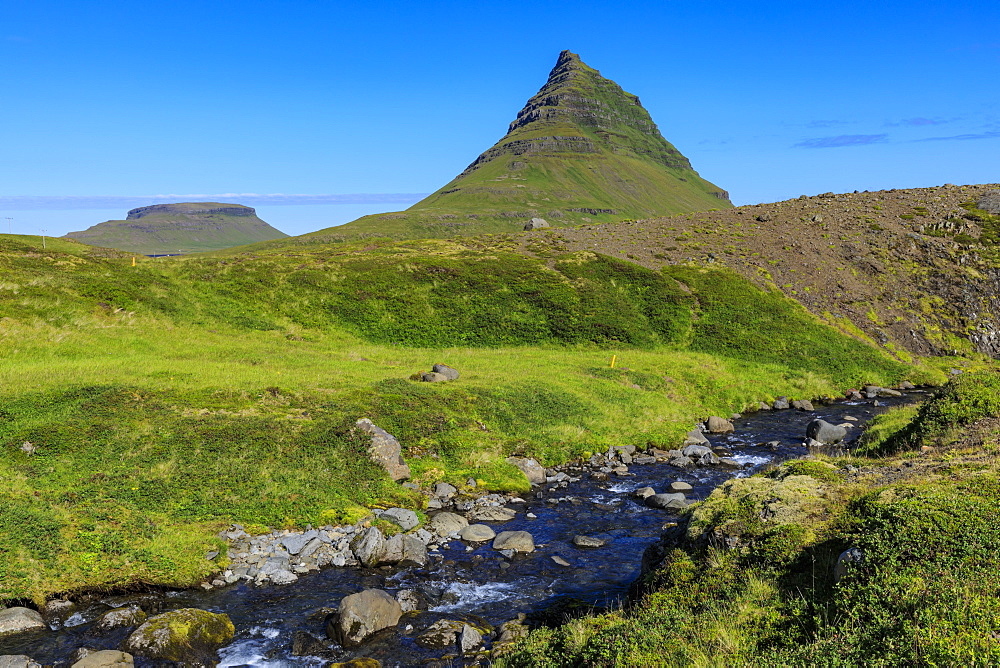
(769, 100)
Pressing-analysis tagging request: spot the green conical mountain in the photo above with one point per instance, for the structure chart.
(581, 150)
(187, 227)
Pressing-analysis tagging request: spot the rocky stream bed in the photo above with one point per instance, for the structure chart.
(482, 570)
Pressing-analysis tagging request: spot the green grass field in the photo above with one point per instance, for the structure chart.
(170, 398)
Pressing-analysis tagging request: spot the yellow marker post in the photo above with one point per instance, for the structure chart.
(613, 358)
(133, 260)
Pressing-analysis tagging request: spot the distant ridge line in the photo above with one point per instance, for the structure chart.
(29, 202)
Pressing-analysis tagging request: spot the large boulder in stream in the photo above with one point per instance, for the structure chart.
(824, 432)
(20, 620)
(445, 524)
(674, 501)
(519, 541)
(187, 635)
(718, 425)
(362, 615)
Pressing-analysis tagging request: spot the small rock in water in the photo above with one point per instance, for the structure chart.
(681, 487)
(667, 501)
(531, 516)
(588, 541)
(477, 533)
(643, 492)
(470, 639)
(559, 560)
(521, 541)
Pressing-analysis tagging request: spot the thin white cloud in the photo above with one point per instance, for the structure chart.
(841, 140)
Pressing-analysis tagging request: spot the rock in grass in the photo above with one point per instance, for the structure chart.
(18, 661)
(384, 449)
(718, 425)
(533, 471)
(108, 658)
(369, 547)
(519, 541)
(445, 524)
(448, 372)
(824, 432)
(432, 377)
(362, 615)
(186, 635)
(20, 620)
(535, 224)
(848, 558)
(129, 615)
(781, 403)
(405, 519)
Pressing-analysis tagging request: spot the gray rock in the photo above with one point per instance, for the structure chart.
(129, 615)
(681, 487)
(20, 620)
(848, 558)
(477, 533)
(763, 406)
(698, 451)
(406, 519)
(445, 491)
(536, 224)
(296, 541)
(643, 492)
(802, 405)
(469, 640)
(667, 501)
(695, 437)
(362, 615)
(369, 547)
(384, 449)
(519, 541)
(729, 463)
(559, 560)
(409, 600)
(990, 202)
(887, 392)
(433, 377)
(445, 524)
(448, 372)
(492, 514)
(907, 385)
(414, 552)
(393, 549)
(781, 403)
(283, 576)
(57, 609)
(824, 432)
(533, 471)
(441, 634)
(682, 462)
(588, 541)
(718, 425)
(18, 661)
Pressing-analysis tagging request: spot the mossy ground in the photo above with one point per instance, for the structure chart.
(165, 400)
(751, 581)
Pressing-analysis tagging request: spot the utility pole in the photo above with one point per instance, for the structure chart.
(43, 238)
(8, 219)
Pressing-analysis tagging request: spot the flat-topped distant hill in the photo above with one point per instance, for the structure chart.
(581, 150)
(187, 227)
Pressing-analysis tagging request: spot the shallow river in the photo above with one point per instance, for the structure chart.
(478, 582)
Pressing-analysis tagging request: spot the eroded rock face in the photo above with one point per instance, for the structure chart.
(361, 615)
(189, 635)
(20, 620)
(384, 449)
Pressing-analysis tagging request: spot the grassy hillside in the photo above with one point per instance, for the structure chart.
(582, 150)
(188, 227)
(922, 515)
(166, 399)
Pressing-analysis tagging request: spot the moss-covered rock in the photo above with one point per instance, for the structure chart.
(188, 634)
